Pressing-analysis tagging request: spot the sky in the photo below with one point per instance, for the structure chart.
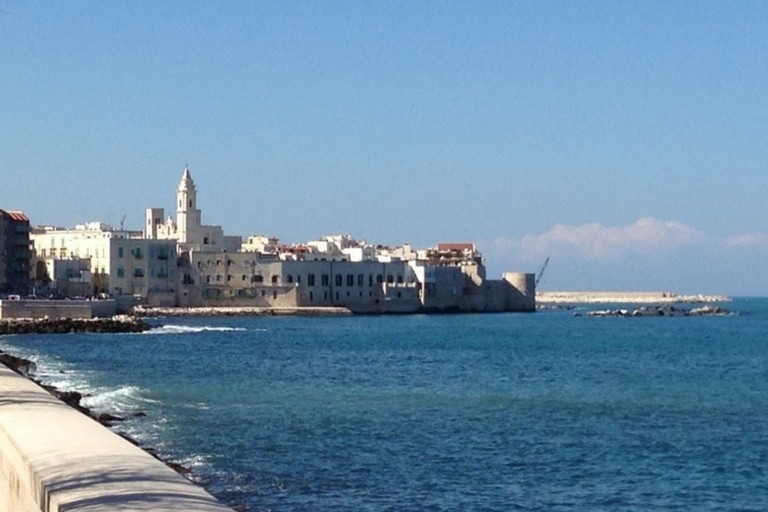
(626, 141)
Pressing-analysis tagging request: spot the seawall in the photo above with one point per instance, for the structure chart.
(55, 459)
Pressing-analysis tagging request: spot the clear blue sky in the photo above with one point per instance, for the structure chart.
(625, 140)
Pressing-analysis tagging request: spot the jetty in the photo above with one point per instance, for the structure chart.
(624, 297)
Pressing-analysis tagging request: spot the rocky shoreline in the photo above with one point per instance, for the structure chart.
(145, 311)
(115, 324)
(655, 311)
(27, 368)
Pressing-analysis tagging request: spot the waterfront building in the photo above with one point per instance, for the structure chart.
(15, 253)
(121, 262)
(184, 262)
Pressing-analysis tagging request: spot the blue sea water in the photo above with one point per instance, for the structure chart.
(491, 412)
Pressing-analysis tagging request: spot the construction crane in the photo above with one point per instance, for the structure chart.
(541, 272)
(122, 223)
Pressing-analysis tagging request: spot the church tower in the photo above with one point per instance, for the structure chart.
(187, 214)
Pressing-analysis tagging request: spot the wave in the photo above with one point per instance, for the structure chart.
(190, 329)
(120, 400)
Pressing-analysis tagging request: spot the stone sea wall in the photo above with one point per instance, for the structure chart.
(55, 459)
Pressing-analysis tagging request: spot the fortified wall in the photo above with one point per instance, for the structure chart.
(55, 459)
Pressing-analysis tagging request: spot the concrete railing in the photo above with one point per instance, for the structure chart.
(55, 459)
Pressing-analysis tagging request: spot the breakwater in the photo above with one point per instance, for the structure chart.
(624, 297)
(142, 311)
(116, 324)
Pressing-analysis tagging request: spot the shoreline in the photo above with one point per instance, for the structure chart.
(26, 368)
(151, 312)
(613, 297)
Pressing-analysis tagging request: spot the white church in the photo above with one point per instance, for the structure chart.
(188, 230)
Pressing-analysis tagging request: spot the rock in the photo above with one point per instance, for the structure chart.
(21, 366)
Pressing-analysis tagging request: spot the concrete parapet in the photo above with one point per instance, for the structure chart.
(55, 459)
(56, 308)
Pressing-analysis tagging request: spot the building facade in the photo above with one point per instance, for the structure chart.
(15, 253)
(120, 262)
(186, 263)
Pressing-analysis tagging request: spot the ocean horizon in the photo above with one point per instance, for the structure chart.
(492, 412)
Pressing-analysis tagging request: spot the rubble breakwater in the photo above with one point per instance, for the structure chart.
(143, 311)
(116, 324)
(656, 311)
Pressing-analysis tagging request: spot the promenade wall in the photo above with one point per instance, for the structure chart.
(56, 308)
(55, 459)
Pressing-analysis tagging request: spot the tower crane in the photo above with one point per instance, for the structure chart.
(541, 272)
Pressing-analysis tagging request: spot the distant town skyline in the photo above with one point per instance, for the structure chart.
(623, 141)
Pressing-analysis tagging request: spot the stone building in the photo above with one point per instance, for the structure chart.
(15, 253)
(121, 262)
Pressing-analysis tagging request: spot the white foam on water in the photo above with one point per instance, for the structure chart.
(124, 399)
(191, 329)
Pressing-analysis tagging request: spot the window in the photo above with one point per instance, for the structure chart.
(400, 279)
(338, 279)
(289, 278)
(257, 278)
(360, 280)
(310, 282)
(350, 280)
(390, 279)
(370, 280)
(120, 272)
(379, 279)
(325, 280)
(274, 280)
(119, 252)
(205, 240)
(138, 272)
(245, 278)
(274, 294)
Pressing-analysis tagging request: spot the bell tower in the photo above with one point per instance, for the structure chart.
(187, 214)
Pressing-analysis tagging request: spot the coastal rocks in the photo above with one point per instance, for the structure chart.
(21, 366)
(144, 311)
(656, 311)
(116, 324)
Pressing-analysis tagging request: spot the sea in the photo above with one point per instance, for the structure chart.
(552, 410)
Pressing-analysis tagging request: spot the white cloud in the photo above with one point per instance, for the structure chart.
(748, 240)
(596, 241)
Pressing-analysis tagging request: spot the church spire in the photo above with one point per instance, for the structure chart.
(186, 183)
